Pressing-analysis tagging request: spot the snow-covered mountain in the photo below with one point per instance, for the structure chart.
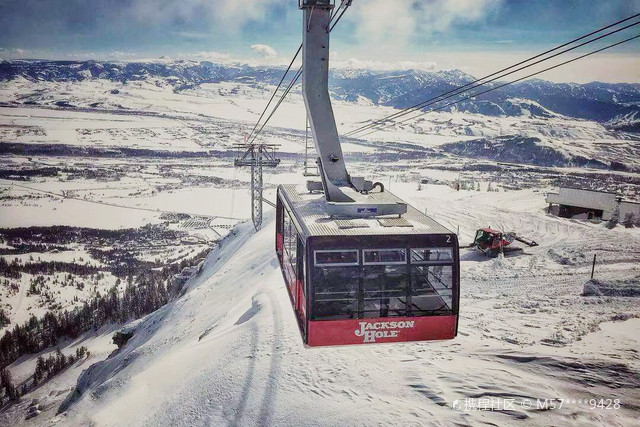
(602, 102)
(626, 122)
(228, 351)
(129, 144)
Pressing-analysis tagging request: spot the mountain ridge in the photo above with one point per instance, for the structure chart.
(607, 103)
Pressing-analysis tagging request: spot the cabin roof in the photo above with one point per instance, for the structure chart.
(309, 209)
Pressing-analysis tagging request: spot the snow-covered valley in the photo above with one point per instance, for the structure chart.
(229, 351)
(225, 350)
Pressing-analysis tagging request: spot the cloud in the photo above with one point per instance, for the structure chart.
(116, 54)
(210, 56)
(264, 50)
(81, 55)
(357, 64)
(121, 54)
(231, 15)
(191, 35)
(399, 20)
(14, 52)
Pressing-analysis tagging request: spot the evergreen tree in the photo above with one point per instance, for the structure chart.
(4, 319)
(38, 334)
(7, 384)
(40, 371)
(628, 220)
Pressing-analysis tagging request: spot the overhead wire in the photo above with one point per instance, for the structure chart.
(335, 11)
(343, 5)
(276, 90)
(476, 83)
(284, 94)
(344, 9)
(459, 91)
(504, 75)
(512, 82)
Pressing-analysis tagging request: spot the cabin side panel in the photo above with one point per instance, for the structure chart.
(290, 249)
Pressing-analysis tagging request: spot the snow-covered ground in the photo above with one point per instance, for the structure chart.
(99, 209)
(229, 351)
(151, 114)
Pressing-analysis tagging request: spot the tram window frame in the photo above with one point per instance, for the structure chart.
(392, 296)
(444, 292)
(286, 231)
(420, 259)
(417, 271)
(335, 264)
(302, 267)
(418, 308)
(293, 250)
(346, 297)
(365, 251)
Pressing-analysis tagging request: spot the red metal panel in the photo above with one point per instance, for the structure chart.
(290, 277)
(381, 330)
(301, 301)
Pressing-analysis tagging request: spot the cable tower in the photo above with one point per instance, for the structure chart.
(256, 156)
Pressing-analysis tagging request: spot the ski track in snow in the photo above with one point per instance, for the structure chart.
(23, 290)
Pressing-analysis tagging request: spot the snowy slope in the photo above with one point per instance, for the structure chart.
(228, 352)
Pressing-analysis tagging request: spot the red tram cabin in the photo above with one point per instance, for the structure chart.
(366, 280)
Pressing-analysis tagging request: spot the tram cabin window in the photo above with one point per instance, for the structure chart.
(431, 289)
(431, 255)
(384, 285)
(385, 256)
(385, 290)
(290, 239)
(336, 257)
(336, 292)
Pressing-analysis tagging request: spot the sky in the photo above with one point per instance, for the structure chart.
(476, 36)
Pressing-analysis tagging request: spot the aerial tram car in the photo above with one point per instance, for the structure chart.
(360, 265)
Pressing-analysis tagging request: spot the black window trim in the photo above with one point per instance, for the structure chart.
(431, 262)
(404, 250)
(335, 264)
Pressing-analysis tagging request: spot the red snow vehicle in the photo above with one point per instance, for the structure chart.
(492, 242)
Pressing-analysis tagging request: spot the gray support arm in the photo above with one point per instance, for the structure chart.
(340, 189)
(315, 81)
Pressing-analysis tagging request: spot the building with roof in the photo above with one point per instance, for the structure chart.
(580, 203)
